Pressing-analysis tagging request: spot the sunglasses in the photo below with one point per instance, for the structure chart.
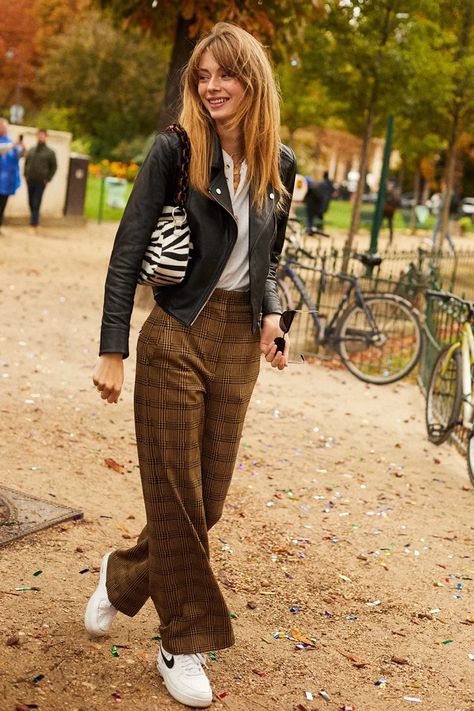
(286, 319)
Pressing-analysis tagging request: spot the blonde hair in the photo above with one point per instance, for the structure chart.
(241, 55)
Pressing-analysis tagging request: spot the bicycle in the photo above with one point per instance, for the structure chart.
(377, 336)
(417, 278)
(450, 395)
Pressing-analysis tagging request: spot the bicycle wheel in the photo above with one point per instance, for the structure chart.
(387, 354)
(289, 292)
(444, 395)
(284, 292)
(470, 456)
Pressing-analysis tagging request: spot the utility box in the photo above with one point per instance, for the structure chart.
(76, 185)
(116, 190)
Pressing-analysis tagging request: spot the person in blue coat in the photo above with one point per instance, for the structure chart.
(10, 154)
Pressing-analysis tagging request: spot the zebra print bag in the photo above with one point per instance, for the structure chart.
(167, 255)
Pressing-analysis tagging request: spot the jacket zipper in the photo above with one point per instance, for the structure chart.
(208, 294)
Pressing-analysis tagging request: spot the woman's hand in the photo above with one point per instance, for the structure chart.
(108, 376)
(270, 331)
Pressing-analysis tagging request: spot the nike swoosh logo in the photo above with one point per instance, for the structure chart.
(169, 662)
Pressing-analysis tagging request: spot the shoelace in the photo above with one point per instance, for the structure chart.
(193, 663)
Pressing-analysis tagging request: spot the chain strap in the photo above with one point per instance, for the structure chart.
(182, 185)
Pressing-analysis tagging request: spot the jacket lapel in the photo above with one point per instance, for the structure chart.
(220, 192)
(218, 184)
(259, 220)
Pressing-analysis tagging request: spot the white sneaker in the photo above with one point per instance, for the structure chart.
(185, 678)
(100, 612)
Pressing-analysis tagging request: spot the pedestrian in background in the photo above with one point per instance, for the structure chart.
(198, 353)
(391, 204)
(317, 199)
(10, 153)
(40, 167)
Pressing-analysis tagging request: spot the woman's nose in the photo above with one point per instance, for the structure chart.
(214, 83)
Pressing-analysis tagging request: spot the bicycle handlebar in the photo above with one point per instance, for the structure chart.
(447, 296)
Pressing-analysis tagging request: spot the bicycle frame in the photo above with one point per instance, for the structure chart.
(466, 344)
(353, 286)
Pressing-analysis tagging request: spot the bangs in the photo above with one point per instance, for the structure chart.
(233, 60)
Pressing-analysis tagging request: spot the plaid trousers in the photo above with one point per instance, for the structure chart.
(193, 385)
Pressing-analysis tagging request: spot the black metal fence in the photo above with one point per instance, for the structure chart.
(406, 273)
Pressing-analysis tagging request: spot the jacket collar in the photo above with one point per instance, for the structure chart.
(220, 192)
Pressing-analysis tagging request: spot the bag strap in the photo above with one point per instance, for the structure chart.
(182, 184)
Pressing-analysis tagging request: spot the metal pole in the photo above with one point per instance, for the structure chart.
(101, 200)
(378, 213)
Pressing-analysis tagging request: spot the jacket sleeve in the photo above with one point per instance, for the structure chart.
(52, 165)
(26, 167)
(144, 206)
(271, 301)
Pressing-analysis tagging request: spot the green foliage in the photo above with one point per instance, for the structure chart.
(133, 150)
(300, 73)
(367, 67)
(58, 118)
(108, 83)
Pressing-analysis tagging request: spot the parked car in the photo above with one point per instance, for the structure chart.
(467, 207)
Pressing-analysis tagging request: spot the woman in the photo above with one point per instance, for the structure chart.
(198, 352)
(10, 154)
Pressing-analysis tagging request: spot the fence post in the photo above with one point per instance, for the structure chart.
(378, 213)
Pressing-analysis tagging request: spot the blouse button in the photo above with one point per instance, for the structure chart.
(272, 196)
(218, 191)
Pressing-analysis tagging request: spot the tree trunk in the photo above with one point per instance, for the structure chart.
(416, 197)
(449, 180)
(364, 155)
(182, 48)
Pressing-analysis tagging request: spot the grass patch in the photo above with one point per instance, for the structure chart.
(339, 216)
(92, 201)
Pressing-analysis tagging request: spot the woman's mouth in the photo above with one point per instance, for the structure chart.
(215, 103)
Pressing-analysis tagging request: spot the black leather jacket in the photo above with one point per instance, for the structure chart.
(214, 233)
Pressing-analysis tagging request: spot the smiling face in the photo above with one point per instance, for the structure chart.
(220, 92)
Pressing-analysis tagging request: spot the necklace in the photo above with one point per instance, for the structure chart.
(236, 175)
(237, 166)
(237, 159)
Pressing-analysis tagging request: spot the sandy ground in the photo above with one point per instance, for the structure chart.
(344, 526)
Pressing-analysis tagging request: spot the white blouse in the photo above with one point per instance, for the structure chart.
(235, 276)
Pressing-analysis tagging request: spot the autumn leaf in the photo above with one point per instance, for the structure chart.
(112, 464)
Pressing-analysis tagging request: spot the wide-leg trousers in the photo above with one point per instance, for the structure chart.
(193, 385)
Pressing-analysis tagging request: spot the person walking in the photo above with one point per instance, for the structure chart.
(40, 167)
(391, 204)
(317, 199)
(198, 352)
(10, 153)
